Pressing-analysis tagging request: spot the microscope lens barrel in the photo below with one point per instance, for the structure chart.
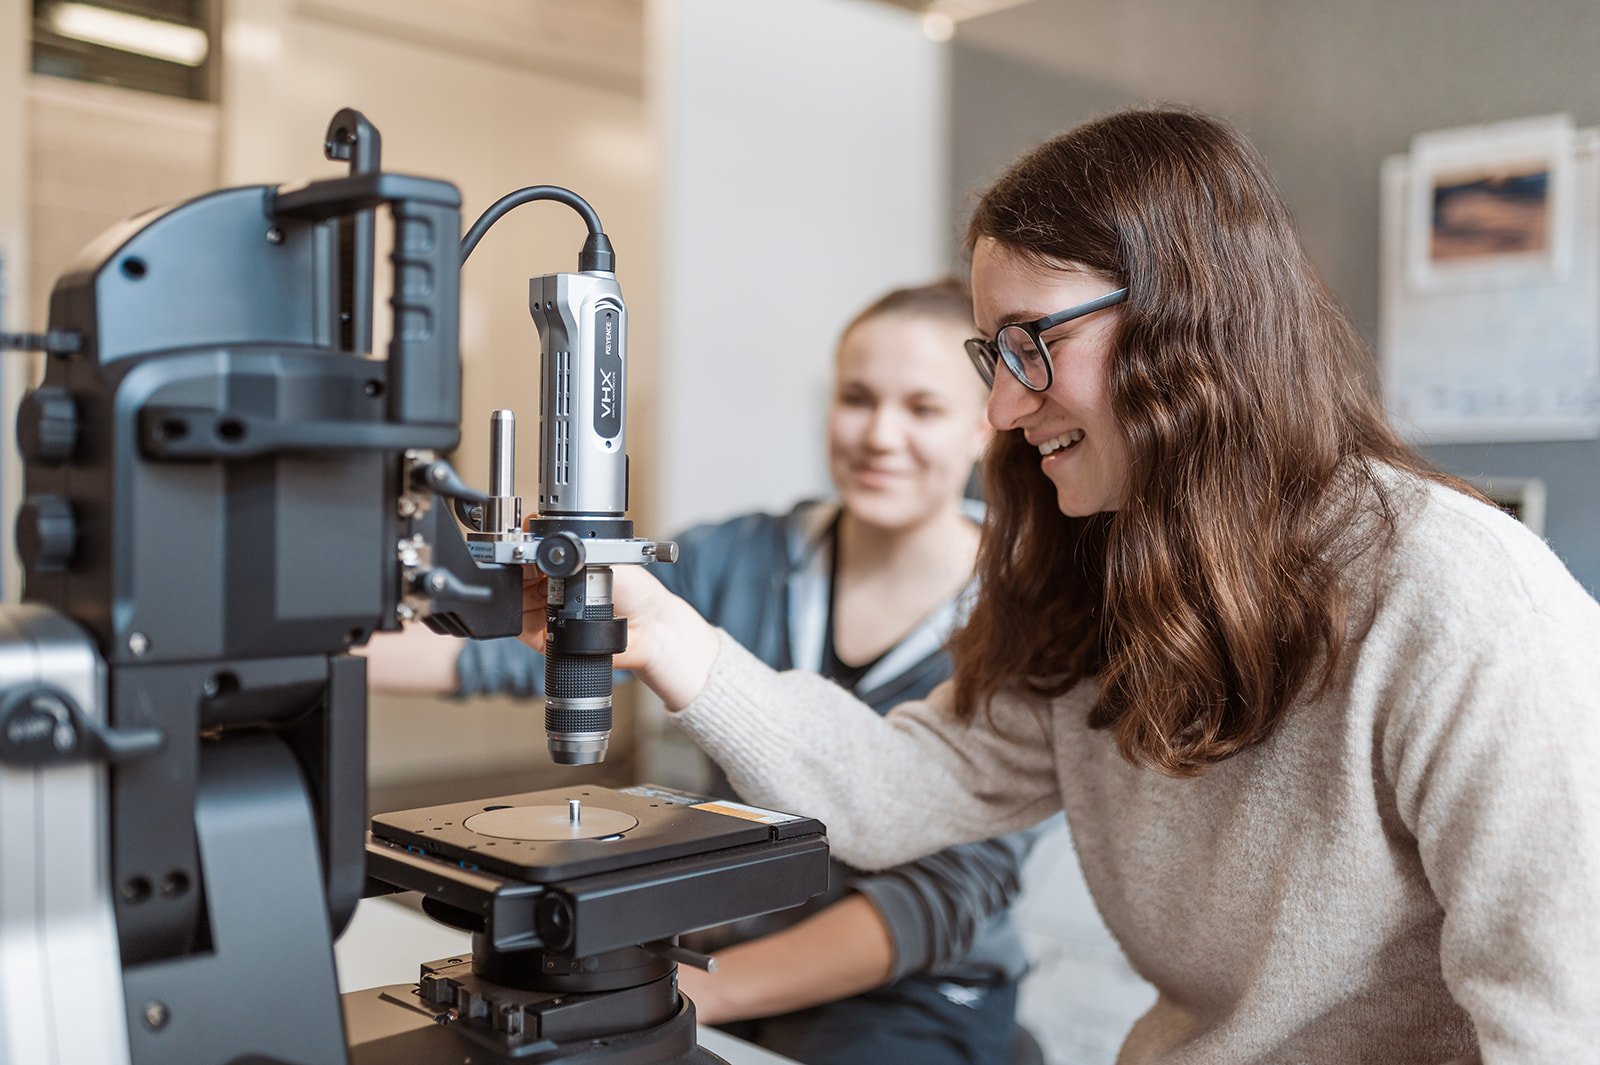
(582, 635)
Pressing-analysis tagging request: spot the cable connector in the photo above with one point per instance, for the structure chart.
(597, 255)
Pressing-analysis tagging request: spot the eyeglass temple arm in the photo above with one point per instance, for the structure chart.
(1099, 303)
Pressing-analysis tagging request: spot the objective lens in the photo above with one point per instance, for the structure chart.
(581, 636)
(577, 707)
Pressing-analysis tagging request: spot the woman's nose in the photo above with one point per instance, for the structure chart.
(1009, 402)
(883, 430)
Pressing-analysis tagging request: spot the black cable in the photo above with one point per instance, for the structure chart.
(596, 254)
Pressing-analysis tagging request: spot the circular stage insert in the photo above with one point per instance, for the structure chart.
(549, 823)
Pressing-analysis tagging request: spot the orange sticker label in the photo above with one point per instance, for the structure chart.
(748, 813)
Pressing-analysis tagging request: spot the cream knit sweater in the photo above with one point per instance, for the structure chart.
(1408, 870)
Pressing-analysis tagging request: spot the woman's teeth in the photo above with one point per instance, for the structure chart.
(1066, 440)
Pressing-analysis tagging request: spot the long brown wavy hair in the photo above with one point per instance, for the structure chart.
(1212, 595)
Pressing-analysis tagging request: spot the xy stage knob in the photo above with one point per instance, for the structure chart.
(47, 533)
(47, 425)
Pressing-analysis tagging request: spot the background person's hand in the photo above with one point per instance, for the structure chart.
(705, 991)
(670, 647)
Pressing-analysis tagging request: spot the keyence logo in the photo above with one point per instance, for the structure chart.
(608, 379)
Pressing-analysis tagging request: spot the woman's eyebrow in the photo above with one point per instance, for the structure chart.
(1016, 317)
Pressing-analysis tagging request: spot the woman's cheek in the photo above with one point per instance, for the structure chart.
(846, 428)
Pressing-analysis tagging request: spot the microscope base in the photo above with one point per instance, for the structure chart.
(393, 1026)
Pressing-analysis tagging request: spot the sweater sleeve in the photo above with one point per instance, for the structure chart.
(1496, 765)
(890, 789)
(935, 907)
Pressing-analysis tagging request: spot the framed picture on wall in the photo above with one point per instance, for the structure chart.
(1489, 332)
(1490, 206)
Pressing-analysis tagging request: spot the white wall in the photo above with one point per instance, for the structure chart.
(468, 97)
(804, 147)
(15, 19)
(98, 154)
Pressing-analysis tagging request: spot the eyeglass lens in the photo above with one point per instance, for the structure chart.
(1017, 347)
(982, 356)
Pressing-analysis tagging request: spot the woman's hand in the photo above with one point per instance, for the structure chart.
(705, 991)
(670, 647)
(413, 661)
(839, 951)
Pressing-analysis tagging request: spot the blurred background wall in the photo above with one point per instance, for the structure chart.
(803, 154)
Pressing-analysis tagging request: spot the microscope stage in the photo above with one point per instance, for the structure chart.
(534, 837)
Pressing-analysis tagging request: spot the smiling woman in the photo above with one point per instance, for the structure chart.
(1324, 723)
(906, 422)
(1055, 390)
(1220, 414)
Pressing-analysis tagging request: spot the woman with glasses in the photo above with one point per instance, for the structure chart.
(918, 964)
(1325, 724)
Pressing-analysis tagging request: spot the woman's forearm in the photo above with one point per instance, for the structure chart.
(413, 661)
(795, 741)
(836, 953)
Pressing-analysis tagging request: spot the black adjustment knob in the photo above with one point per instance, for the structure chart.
(560, 555)
(554, 919)
(47, 425)
(47, 534)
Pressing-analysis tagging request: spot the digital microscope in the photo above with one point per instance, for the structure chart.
(225, 491)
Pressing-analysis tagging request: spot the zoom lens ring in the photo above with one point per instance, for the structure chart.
(562, 719)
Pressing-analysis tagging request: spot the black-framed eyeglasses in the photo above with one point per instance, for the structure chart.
(1021, 346)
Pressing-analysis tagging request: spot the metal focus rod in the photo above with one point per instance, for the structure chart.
(502, 453)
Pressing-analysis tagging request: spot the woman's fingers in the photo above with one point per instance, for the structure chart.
(535, 590)
(670, 646)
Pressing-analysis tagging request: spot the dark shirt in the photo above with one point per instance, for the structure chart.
(836, 669)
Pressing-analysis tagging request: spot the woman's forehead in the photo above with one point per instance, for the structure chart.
(1009, 286)
(906, 353)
